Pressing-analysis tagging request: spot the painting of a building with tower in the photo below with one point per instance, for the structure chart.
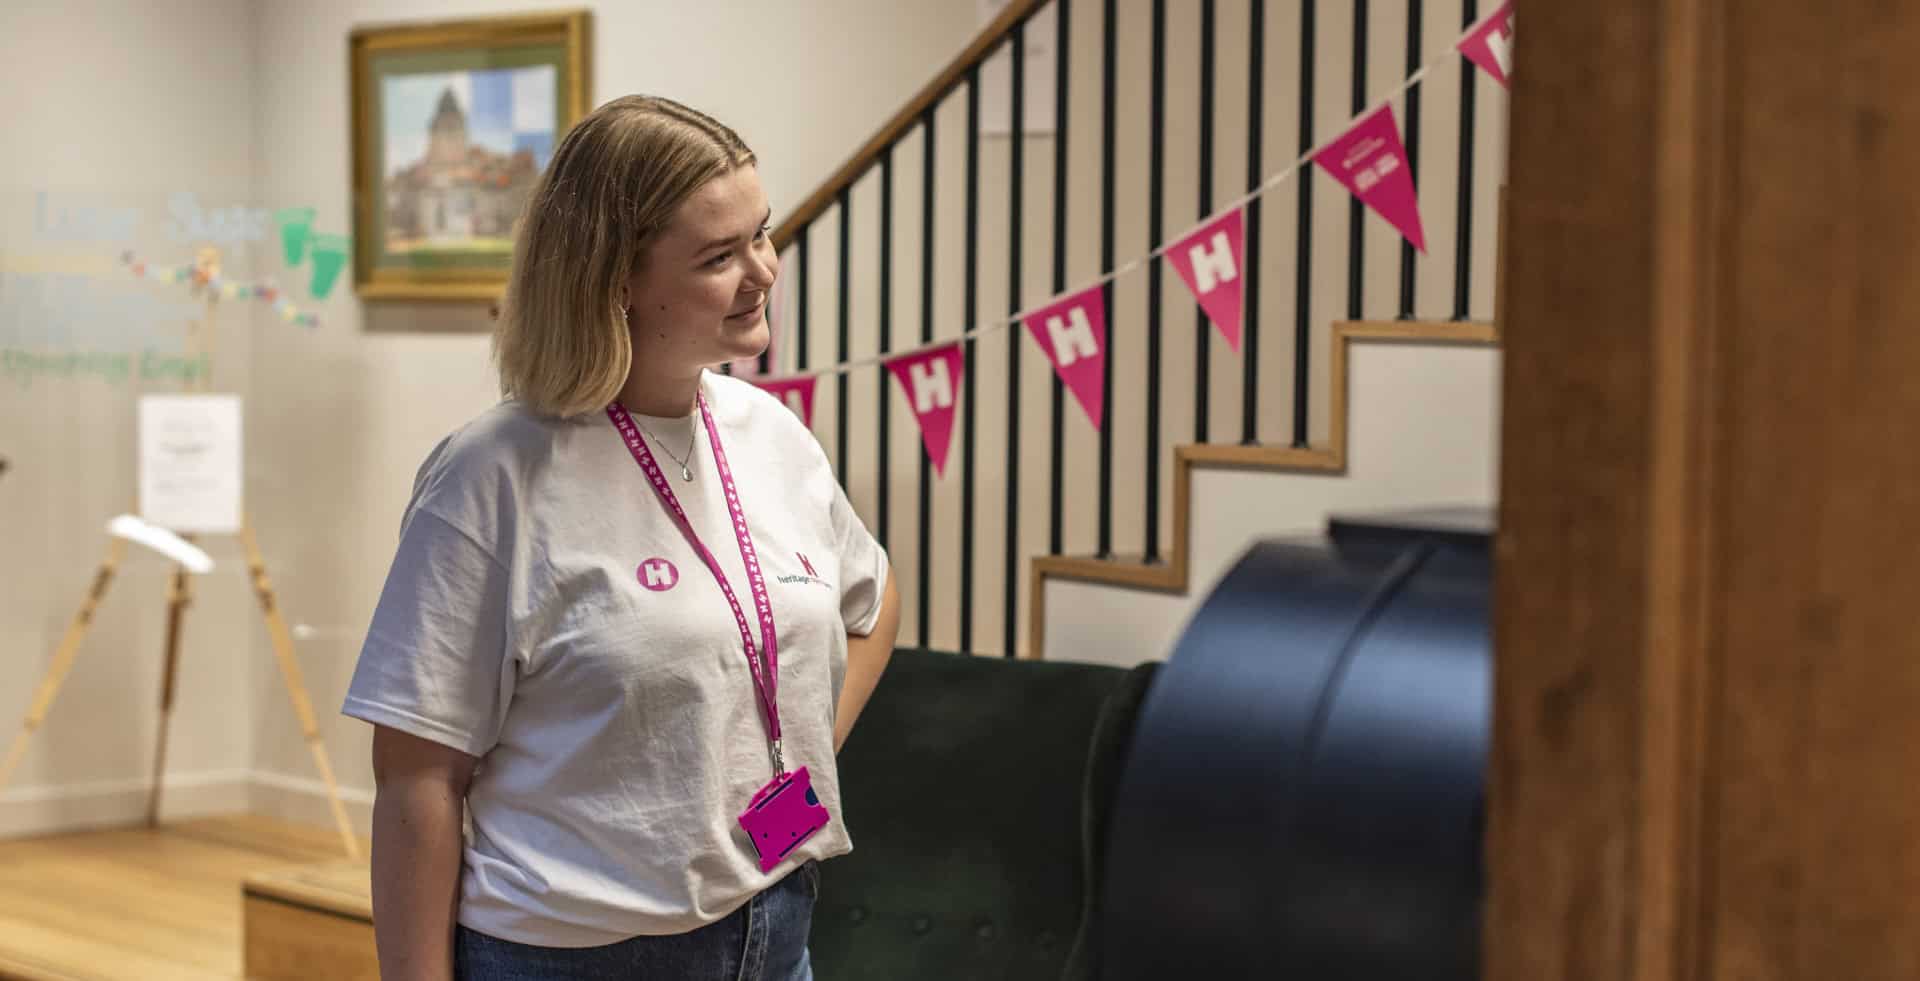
(453, 121)
(461, 153)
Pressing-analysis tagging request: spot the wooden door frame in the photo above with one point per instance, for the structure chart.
(1707, 701)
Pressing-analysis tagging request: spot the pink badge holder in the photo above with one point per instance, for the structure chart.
(784, 814)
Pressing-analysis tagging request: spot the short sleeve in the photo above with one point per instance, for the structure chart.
(863, 567)
(435, 663)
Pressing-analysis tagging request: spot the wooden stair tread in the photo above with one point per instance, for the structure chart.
(1128, 570)
(1311, 459)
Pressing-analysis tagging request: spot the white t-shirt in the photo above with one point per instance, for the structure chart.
(545, 614)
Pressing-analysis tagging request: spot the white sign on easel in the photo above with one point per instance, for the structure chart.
(190, 462)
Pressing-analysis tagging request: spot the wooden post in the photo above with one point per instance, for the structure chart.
(1707, 715)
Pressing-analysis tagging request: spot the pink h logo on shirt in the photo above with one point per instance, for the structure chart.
(658, 575)
(804, 564)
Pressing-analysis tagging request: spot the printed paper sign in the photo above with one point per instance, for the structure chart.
(797, 393)
(1490, 44)
(1209, 260)
(931, 380)
(1073, 333)
(190, 462)
(1371, 161)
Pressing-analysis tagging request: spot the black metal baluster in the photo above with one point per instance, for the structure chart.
(1356, 212)
(801, 318)
(1156, 160)
(1062, 47)
(1109, 48)
(969, 309)
(1411, 139)
(843, 417)
(1010, 609)
(767, 356)
(882, 507)
(1202, 329)
(1256, 120)
(1463, 235)
(1303, 244)
(926, 336)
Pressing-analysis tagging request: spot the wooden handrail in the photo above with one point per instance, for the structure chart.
(949, 78)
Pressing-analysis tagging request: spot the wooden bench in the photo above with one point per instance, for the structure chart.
(314, 921)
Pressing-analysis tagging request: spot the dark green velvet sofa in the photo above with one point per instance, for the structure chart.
(977, 791)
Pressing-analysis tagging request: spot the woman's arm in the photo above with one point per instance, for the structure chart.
(420, 797)
(866, 660)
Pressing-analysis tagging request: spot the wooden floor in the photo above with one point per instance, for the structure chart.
(139, 904)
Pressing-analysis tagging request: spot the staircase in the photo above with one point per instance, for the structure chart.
(1424, 398)
(1045, 536)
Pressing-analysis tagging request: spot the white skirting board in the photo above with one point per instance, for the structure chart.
(59, 809)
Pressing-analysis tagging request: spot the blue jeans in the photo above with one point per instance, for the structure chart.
(765, 940)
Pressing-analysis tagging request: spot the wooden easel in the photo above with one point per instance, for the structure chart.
(179, 597)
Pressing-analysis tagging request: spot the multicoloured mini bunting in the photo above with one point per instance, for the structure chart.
(209, 281)
(1372, 162)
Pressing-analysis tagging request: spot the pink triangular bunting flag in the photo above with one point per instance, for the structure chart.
(931, 380)
(796, 393)
(1209, 261)
(1490, 44)
(1371, 161)
(1073, 334)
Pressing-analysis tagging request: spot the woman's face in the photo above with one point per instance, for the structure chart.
(699, 297)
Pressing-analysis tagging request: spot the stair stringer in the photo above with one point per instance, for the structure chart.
(1445, 453)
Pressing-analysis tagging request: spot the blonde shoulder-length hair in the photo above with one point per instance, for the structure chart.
(561, 343)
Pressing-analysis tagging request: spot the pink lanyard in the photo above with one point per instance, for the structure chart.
(765, 670)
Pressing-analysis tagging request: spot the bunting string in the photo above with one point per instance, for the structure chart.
(1499, 21)
(1367, 158)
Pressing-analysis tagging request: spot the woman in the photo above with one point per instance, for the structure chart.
(632, 616)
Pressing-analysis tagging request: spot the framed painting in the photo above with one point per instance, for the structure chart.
(453, 123)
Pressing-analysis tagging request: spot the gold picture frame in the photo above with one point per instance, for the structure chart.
(453, 121)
